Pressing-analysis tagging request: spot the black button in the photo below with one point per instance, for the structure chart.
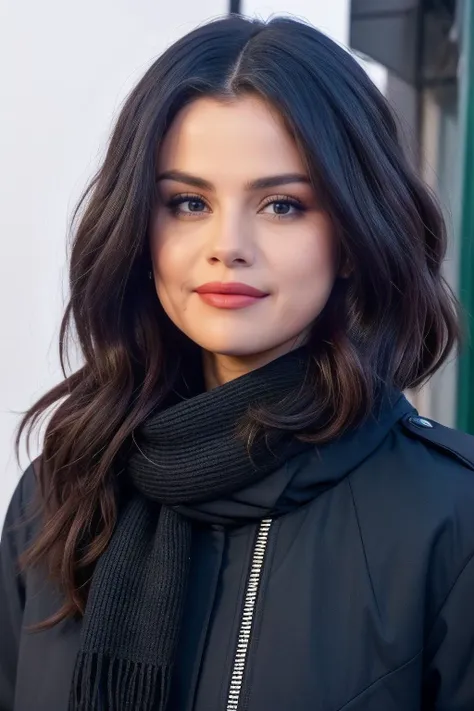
(420, 422)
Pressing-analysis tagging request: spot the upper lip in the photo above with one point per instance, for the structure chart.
(231, 287)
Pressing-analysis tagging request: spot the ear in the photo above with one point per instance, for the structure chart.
(345, 269)
(343, 262)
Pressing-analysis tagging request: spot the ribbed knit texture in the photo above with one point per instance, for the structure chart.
(185, 454)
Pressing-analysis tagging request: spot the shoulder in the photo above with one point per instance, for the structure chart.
(20, 517)
(431, 468)
(457, 447)
(436, 465)
(437, 462)
(440, 464)
(415, 501)
(419, 485)
(424, 462)
(430, 480)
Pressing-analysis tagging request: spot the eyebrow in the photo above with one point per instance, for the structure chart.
(271, 181)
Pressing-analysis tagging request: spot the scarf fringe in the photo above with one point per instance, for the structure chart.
(101, 683)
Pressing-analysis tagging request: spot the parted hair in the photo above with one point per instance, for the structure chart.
(391, 321)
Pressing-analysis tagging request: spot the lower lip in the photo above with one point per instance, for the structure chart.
(230, 301)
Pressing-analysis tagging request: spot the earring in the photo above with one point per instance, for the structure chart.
(150, 275)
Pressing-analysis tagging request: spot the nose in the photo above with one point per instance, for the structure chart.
(230, 240)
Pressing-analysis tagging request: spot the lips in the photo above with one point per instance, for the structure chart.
(236, 288)
(230, 295)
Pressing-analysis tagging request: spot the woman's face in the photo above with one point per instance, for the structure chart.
(236, 210)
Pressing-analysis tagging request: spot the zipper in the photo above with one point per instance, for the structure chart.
(245, 629)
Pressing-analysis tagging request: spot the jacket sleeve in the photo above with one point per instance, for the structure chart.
(449, 652)
(12, 589)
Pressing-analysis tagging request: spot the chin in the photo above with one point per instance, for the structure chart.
(240, 340)
(240, 347)
(235, 350)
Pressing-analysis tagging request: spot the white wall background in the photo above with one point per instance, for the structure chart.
(66, 69)
(329, 16)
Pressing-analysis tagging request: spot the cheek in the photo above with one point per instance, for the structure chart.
(168, 267)
(168, 256)
(308, 266)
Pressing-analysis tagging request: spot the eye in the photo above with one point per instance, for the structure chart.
(186, 205)
(282, 206)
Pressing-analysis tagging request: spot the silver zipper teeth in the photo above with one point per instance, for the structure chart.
(248, 614)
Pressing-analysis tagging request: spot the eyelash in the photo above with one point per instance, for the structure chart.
(177, 200)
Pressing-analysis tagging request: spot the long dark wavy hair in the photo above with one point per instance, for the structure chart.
(393, 320)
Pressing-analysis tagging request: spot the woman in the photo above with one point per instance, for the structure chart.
(238, 509)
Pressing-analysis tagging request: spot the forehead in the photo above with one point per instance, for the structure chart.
(243, 136)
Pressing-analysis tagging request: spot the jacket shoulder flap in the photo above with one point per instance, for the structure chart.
(456, 444)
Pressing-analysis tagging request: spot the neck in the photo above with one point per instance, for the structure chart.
(219, 368)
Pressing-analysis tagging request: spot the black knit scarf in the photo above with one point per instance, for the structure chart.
(185, 454)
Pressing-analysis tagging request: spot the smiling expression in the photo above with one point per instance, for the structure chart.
(236, 209)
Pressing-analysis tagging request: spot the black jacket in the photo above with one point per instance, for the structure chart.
(360, 597)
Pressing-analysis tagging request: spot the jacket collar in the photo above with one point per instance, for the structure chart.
(306, 475)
